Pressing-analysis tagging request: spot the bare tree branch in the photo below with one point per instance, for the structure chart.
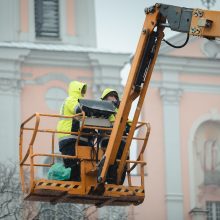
(13, 206)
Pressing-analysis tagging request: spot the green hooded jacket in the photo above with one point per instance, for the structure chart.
(107, 91)
(69, 108)
(104, 94)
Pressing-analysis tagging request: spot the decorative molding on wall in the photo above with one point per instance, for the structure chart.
(105, 65)
(198, 213)
(10, 63)
(44, 46)
(107, 68)
(170, 95)
(211, 48)
(47, 78)
(44, 79)
(188, 65)
(190, 87)
(58, 59)
(65, 55)
(10, 85)
(174, 197)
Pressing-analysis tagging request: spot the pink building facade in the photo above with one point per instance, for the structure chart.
(44, 46)
(182, 104)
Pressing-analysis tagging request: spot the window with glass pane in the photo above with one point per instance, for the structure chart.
(213, 210)
(47, 18)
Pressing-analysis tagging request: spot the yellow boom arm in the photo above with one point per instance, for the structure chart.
(194, 22)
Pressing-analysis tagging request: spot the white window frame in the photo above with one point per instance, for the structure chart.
(215, 206)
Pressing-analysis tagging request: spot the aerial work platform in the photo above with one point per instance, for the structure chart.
(72, 192)
(88, 190)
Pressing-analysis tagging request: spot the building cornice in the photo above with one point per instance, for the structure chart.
(190, 87)
(66, 55)
(58, 59)
(56, 47)
(106, 65)
(188, 65)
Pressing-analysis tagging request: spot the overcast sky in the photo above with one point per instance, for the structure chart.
(119, 22)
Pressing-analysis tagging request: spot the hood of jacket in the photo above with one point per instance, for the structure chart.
(107, 91)
(75, 89)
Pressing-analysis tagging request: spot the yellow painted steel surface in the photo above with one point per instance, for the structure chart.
(201, 20)
(87, 191)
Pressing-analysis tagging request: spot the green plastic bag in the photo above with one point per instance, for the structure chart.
(59, 172)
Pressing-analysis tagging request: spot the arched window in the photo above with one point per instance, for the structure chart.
(206, 158)
(207, 153)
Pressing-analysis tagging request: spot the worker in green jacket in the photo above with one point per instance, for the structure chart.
(67, 142)
(110, 94)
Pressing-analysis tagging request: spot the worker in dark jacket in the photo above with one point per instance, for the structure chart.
(67, 142)
(112, 95)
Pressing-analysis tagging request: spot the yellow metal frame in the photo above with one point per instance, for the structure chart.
(203, 23)
(71, 191)
(130, 94)
(199, 24)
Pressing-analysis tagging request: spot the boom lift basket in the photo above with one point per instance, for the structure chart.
(87, 191)
(194, 22)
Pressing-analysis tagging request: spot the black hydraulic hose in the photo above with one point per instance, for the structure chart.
(177, 46)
